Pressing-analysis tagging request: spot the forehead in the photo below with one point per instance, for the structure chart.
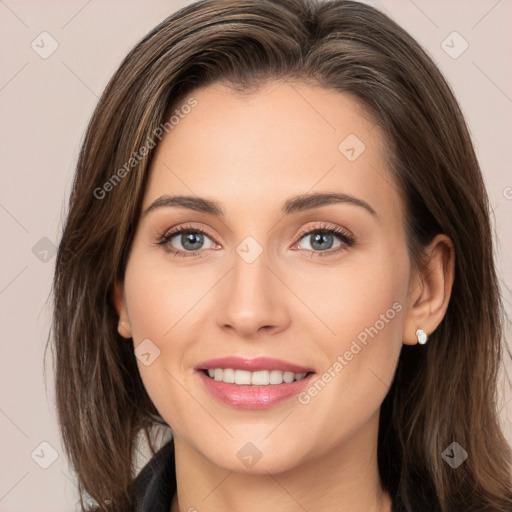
(284, 139)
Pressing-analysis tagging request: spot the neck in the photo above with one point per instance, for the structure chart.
(344, 479)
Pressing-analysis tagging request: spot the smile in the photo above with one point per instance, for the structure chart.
(258, 378)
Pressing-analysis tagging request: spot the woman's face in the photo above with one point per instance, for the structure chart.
(255, 284)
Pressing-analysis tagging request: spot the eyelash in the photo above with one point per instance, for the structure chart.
(346, 238)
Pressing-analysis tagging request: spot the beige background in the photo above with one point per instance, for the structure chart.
(45, 104)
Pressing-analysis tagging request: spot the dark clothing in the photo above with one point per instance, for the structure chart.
(155, 485)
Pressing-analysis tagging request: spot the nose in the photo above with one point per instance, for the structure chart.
(253, 299)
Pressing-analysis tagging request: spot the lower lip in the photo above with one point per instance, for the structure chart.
(253, 397)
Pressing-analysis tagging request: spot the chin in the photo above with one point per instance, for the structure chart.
(247, 458)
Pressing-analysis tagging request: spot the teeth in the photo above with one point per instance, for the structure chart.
(228, 375)
(241, 377)
(259, 378)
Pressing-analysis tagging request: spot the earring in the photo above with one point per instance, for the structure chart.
(422, 336)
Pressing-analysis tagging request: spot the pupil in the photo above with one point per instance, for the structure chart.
(320, 239)
(191, 238)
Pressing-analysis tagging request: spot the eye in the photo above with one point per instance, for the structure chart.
(189, 240)
(322, 238)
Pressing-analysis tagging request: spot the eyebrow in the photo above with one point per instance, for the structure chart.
(295, 204)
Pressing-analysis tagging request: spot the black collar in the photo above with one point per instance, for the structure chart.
(155, 485)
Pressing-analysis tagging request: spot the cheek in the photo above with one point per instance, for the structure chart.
(159, 298)
(158, 304)
(361, 301)
(370, 309)
(365, 312)
(363, 307)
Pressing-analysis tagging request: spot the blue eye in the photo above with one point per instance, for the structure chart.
(192, 240)
(322, 239)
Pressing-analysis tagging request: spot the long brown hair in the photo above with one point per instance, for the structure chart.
(443, 393)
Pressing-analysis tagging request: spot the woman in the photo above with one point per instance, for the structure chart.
(278, 244)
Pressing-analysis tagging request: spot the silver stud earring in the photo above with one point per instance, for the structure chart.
(422, 336)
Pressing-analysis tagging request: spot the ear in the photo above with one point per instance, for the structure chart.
(119, 300)
(430, 289)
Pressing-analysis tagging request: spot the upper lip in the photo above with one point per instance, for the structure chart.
(252, 365)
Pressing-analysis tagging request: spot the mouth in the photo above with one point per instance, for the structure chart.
(257, 378)
(253, 383)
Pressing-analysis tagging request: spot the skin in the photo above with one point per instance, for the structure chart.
(251, 154)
